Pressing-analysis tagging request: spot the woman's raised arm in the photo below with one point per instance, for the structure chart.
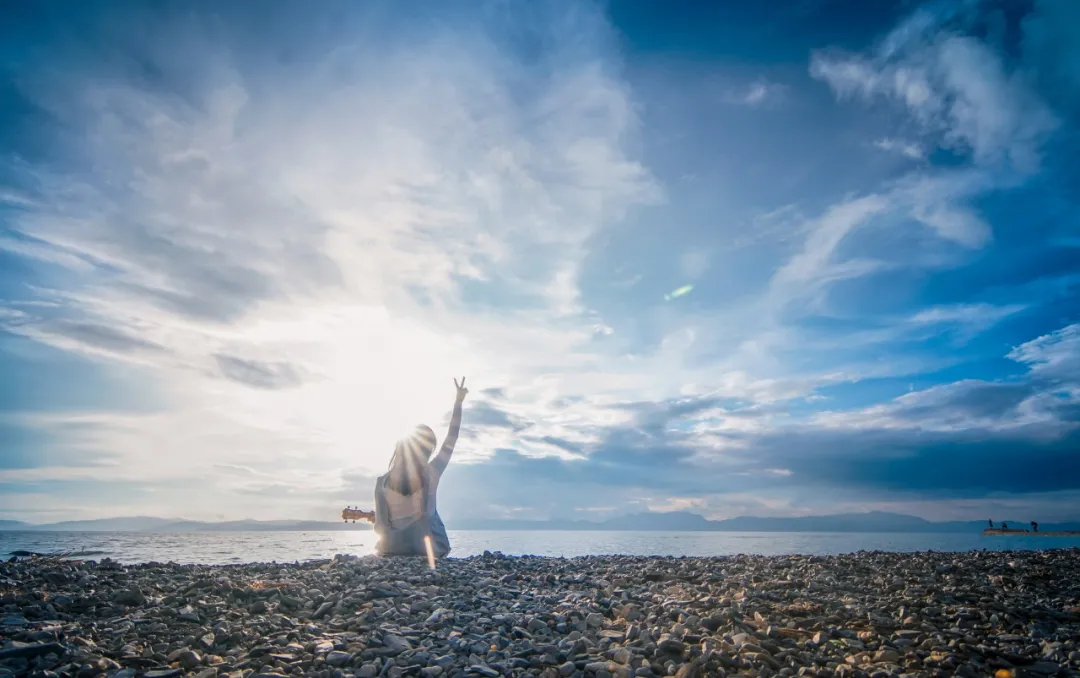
(441, 459)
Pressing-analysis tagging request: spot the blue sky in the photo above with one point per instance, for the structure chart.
(242, 252)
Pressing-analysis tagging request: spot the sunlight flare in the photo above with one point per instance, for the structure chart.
(430, 551)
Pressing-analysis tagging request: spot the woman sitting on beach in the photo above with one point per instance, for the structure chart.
(405, 512)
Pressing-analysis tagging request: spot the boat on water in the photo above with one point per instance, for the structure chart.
(995, 531)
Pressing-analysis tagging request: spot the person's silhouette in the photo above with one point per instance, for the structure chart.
(1034, 526)
(406, 517)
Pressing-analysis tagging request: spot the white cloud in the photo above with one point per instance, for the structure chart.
(960, 95)
(940, 201)
(758, 94)
(1054, 356)
(977, 315)
(965, 321)
(955, 87)
(1029, 407)
(809, 271)
(935, 200)
(14, 197)
(41, 252)
(905, 148)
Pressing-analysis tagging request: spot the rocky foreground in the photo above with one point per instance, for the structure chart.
(867, 614)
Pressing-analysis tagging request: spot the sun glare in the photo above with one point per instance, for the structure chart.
(373, 379)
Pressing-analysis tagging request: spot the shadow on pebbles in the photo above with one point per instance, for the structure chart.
(865, 614)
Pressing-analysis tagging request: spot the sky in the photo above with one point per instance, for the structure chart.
(792, 258)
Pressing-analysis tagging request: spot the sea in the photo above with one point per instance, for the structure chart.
(221, 548)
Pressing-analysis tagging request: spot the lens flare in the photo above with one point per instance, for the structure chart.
(685, 289)
(430, 551)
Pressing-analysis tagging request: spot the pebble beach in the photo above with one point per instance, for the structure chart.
(859, 615)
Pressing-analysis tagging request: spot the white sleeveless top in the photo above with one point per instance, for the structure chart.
(405, 509)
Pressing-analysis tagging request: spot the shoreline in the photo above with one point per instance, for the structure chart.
(221, 548)
(857, 615)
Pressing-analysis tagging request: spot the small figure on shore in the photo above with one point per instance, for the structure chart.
(406, 519)
(1034, 526)
(1004, 526)
(991, 523)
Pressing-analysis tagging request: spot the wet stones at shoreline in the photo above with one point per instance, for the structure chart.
(859, 615)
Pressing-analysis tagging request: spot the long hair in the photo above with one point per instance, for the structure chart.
(410, 458)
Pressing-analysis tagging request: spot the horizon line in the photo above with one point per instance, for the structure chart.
(539, 520)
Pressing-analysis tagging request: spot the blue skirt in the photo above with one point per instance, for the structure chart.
(409, 541)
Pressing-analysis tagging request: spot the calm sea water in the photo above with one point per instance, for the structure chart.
(240, 547)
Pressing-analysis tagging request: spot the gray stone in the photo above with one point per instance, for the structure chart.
(131, 597)
(536, 626)
(438, 615)
(396, 643)
(713, 622)
(630, 613)
(188, 659)
(670, 645)
(887, 655)
(338, 658)
(188, 613)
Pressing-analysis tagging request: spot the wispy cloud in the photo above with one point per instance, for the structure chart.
(758, 94)
(1054, 358)
(956, 87)
(904, 148)
(964, 321)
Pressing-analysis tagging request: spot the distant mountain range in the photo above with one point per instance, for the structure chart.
(875, 521)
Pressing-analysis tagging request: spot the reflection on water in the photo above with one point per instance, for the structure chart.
(241, 547)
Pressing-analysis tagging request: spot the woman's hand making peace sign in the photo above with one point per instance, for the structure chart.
(461, 390)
